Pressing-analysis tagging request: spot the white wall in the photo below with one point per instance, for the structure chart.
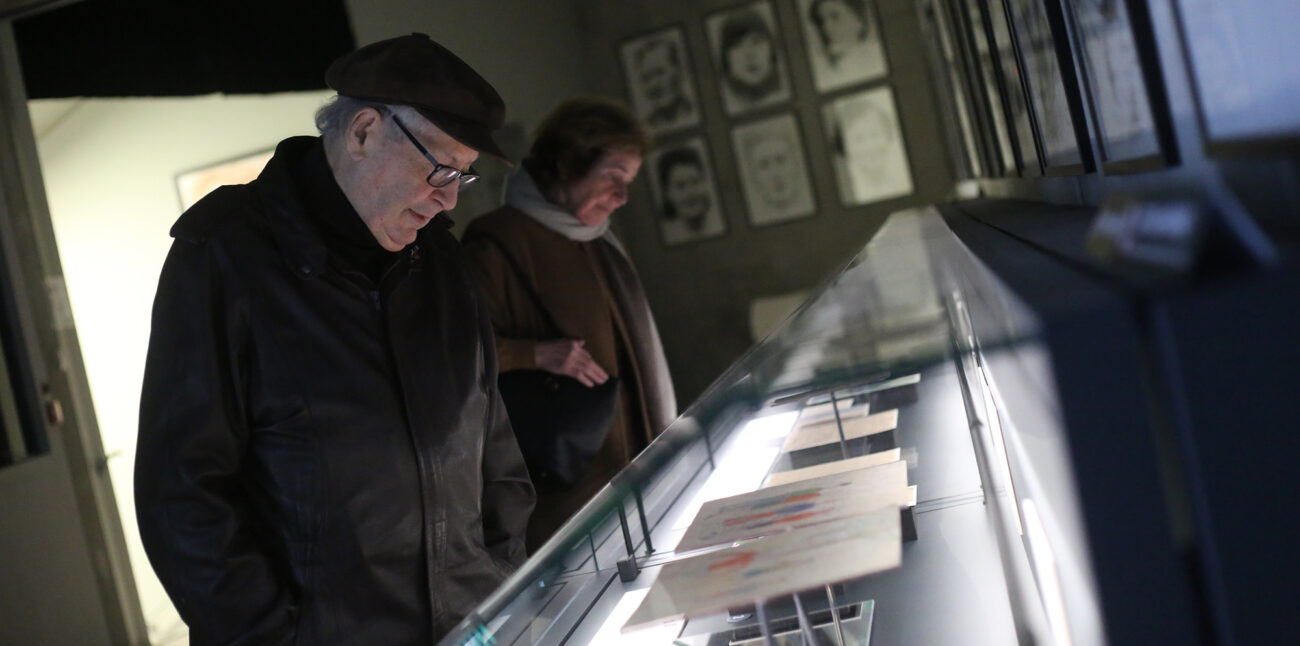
(110, 169)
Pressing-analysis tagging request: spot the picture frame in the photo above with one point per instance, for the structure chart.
(192, 185)
(1244, 106)
(869, 154)
(660, 84)
(1125, 88)
(683, 187)
(1014, 89)
(745, 45)
(773, 170)
(1002, 158)
(843, 42)
(1055, 101)
(966, 150)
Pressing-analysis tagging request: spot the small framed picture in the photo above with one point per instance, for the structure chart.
(658, 71)
(967, 148)
(989, 91)
(866, 143)
(1125, 88)
(745, 44)
(843, 42)
(1054, 98)
(773, 170)
(1013, 87)
(685, 194)
(192, 185)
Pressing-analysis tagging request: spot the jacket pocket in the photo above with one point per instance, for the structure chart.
(286, 474)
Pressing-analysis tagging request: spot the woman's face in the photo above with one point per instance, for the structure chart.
(596, 195)
(750, 59)
(840, 24)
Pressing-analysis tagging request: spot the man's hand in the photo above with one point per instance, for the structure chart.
(567, 357)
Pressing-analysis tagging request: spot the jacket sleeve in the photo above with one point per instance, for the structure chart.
(493, 277)
(508, 495)
(193, 514)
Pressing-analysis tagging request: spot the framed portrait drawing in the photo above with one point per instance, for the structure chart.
(745, 45)
(773, 170)
(192, 185)
(843, 42)
(657, 67)
(685, 193)
(1038, 27)
(866, 143)
(1124, 86)
(1241, 58)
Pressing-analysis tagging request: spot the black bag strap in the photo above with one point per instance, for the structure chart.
(523, 280)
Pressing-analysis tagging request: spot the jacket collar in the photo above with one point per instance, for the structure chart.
(299, 240)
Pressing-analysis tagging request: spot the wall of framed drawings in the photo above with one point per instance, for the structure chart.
(804, 138)
(762, 57)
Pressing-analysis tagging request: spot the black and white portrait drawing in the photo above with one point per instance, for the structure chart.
(843, 39)
(659, 80)
(1047, 98)
(681, 179)
(870, 158)
(1115, 83)
(773, 171)
(747, 54)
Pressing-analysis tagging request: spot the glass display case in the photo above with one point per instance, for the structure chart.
(962, 380)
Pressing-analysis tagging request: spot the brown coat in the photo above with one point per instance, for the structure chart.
(572, 283)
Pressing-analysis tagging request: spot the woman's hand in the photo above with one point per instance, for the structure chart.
(567, 357)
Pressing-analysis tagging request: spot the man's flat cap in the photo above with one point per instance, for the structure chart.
(413, 70)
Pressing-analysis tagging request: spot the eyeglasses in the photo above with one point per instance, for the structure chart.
(442, 174)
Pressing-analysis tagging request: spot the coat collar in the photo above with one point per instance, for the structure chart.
(300, 240)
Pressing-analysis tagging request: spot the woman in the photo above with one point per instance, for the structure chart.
(747, 52)
(555, 228)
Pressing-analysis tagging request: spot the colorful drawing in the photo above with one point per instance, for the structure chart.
(773, 566)
(796, 505)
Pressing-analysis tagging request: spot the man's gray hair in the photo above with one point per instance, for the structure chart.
(333, 117)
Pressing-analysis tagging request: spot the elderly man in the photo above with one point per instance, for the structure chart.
(323, 456)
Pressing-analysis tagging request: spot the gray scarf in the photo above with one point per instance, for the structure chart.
(660, 402)
(523, 194)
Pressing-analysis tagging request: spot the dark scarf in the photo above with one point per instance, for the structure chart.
(350, 243)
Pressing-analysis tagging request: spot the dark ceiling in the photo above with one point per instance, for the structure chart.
(118, 48)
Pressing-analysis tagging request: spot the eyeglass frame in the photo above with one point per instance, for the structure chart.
(466, 177)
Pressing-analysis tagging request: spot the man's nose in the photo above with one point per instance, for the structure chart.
(447, 195)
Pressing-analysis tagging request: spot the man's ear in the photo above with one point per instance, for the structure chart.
(363, 133)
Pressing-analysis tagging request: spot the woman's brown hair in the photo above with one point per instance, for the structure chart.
(576, 134)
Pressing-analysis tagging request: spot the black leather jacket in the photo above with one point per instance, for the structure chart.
(322, 459)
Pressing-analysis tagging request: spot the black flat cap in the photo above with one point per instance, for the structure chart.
(413, 70)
